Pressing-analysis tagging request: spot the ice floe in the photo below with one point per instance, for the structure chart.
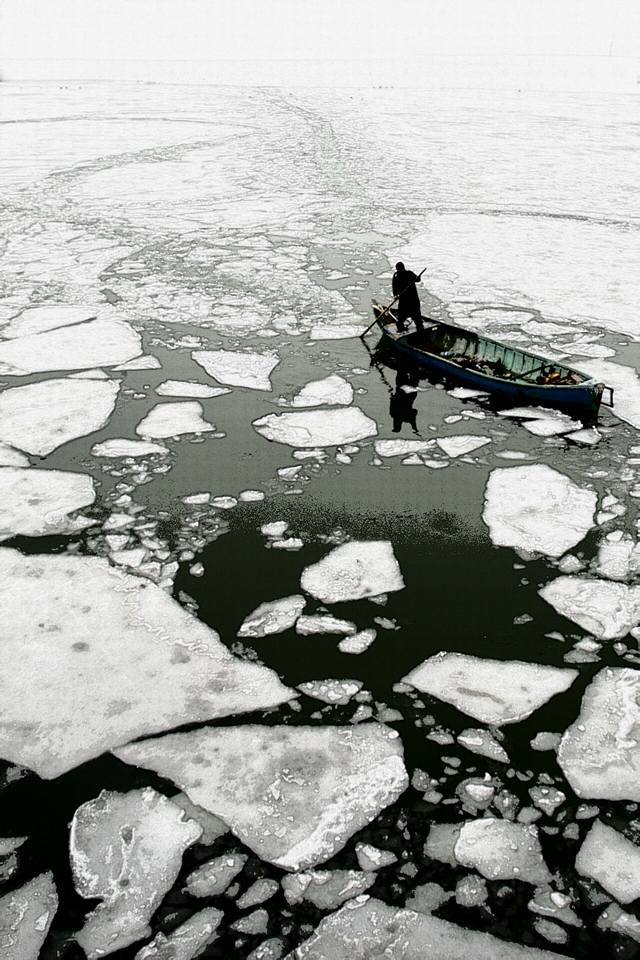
(626, 387)
(614, 918)
(483, 743)
(401, 448)
(599, 753)
(120, 447)
(274, 616)
(187, 941)
(359, 642)
(366, 927)
(331, 691)
(38, 503)
(76, 690)
(238, 369)
(618, 557)
(214, 876)
(330, 391)
(326, 889)
(48, 317)
(173, 419)
(294, 795)
(144, 362)
(502, 850)
(189, 388)
(126, 850)
(324, 623)
(551, 426)
(610, 858)
(316, 428)
(353, 571)
(259, 891)
(606, 609)
(372, 858)
(492, 691)
(459, 446)
(538, 509)
(39, 417)
(103, 342)
(25, 917)
(335, 331)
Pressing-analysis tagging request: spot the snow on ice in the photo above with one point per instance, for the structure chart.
(25, 917)
(317, 428)
(76, 691)
(274, 616)
(353, 571)
(126, 850)
(238, 369)
(172, 420)
(37, 503)
(614, 861)
(606, 609)
(492, 691)
(538, 509)
(294, 795)
(332, 391)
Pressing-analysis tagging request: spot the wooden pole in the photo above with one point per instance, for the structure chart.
(386, 309)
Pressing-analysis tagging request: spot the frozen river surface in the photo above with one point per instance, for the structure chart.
(306, 657)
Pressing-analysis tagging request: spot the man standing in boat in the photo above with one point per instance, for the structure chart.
(404, 287)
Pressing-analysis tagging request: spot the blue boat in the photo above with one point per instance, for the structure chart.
(512, 375)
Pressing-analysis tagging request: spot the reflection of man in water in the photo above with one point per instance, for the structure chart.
(404, 287)
(402, 400)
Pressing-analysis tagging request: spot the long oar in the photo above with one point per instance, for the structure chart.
(386, 310)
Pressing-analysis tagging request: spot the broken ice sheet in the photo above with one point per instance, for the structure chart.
(294, 795)
(538, 509)
(492, 691)
(36, 503)
(47, 317)
(274, 616)
(25, 917)
(189, 388)
(126, 850)
(172, 420)
(76, 692)
(353, 571)
(316, 428)
(238, 369)
(330, 391)
(606, 609)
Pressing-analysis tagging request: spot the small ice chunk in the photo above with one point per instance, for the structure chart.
(464, 393)
(187, 941)
(326, 889)
(538, 509)
(274, 616)
(570, 564)
(189, 388)
(588, 437)
(237, 368)
(552, 426)
(224, 503)
(551, 903)
(293, 794)
(529, 413)
(128, 448)
(316, 428)
(619, 558)
(196, 498)
(38, 503)
(259, 891)
(458, 446)
(335, 331)
(492, 691)
(614, 918)
(289, 543)
(213, 877)
(271, 949)
(371, 858)
(547, 799)
(144, 362)
(427, 897)
(40, 417)
(324, 623)
(253, 924)
(275, 529)
(545, 741)
(251, 496)
(172, 420)
(25, 917)
(550, 931)
(400, 448)
(212, 826)
(607, 610)
(608, 857)
(471, 891)
(353, 571)
(626, 385)
(441, 842)
(483, 743)
(330, 391)
(512, 455)
(502, 850)
(126, 850)
(358, 643)
(331, 691)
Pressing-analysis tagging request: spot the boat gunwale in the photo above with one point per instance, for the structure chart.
(584, 382)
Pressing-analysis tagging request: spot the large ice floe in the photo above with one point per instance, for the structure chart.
(106, 657)
(538, 509)
(126, 849)
(600, 752)
(103, 342)
(331, 390)
(48, 317)
(238, 369)
(353, 571)
(38, 503)
(294, 795)
(607, 609)
(39, 417)
(366, 927)
(317, 428)
(501, 850)
(173, 419)
(274, 616)
(492, 691)
(614, 861)
(25, 917)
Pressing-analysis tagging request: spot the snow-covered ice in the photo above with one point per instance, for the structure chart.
(324, 623)
(330, 391)
(294, 795)
(189, 388)
(39, 417)
(274, 616)
(126, 850)
(607, 856)
(459, 446)
(173, 419)
(120, 447)
(213, 877)
(607, 609)
(326, 889)
(103, 342)
(316, 428)
(538, 509)
(238, 369)
(187, 941)
(599, 753)
(37, 503)
(492, 691)
(353, 571)
(76, 691)
(25, 917)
